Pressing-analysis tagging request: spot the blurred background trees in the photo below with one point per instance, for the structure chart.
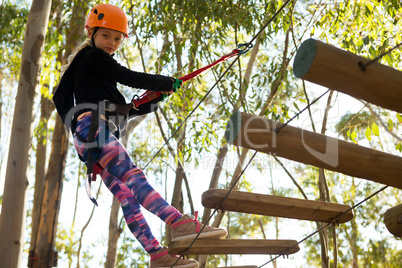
(174, 38)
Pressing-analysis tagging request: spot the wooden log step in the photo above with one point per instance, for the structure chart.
(341, 70)
(261, 134)
(234, 246)
(393, 220)
(277, 206)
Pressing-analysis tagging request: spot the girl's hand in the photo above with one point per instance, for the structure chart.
(177, 84)
(168, 92)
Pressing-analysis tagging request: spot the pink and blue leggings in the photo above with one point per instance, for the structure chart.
(129, 185)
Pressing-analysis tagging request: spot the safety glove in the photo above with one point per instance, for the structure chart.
(177, 84)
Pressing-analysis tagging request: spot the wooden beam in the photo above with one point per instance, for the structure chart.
(393, 220)
(340, 70)
(234, 246)
(258, 133)
(277, 206)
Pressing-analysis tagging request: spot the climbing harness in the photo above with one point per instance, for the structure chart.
(113, 114)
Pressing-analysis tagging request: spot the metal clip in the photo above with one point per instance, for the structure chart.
(244, 48)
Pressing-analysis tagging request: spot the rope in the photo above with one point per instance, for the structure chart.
(247, 46)
(216, 209)
(363, 66)
(243, 48)
(334, 220)
(299, 113)
(189, 76)
(209, 91)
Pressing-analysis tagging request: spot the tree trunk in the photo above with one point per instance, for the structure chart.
(12, 221)
(324, 195)
(215, 177)
(42, 253)
(114, 234)
(177, 198)
(202, 259)
(1, 113)
(44, 250)
(274, 89)
(40, 169)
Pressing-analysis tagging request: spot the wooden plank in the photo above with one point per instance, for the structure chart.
(338, 69)
(277, 206)
(393, 220)
(261, 134)
(234, 246)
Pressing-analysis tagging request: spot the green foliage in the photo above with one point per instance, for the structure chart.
(356, 238)
(199, 32)
(14, 15)
(357, 126)
(129, 255)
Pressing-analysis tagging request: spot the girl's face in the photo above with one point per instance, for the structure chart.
(106, 39)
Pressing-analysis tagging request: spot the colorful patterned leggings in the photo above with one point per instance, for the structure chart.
(129, 185)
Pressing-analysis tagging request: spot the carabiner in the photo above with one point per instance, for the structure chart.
(244, 48)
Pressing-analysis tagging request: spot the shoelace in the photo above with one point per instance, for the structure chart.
(198, 224)
(156, 256)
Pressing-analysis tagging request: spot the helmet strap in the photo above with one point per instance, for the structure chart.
(92, 37)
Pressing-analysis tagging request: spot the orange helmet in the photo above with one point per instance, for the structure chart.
(107, 16)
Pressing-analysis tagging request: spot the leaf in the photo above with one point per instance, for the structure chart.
(296, 106)
(399, 146)
(353, 136)
(376, 130)
(368, 133)
(390, 124)
(366, 40)
(399, 116)
(369, 7)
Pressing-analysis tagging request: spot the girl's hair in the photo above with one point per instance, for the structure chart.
(73, 54)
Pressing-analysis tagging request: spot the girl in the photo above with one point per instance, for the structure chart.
(88, 81)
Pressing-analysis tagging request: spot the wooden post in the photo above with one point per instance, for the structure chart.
(258, 133)
(340, 70)
(393, 220)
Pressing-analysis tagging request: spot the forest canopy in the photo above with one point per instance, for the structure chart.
(181, 147)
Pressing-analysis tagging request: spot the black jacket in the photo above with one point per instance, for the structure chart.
(93, 76)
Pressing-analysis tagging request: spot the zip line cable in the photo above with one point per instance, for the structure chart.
(329, 223)
(219, 205)
(219, 79)
(248, 46)
(364, 65)
(276, 130)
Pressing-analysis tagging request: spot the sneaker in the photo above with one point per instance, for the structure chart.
(162, 259)
(187, 228)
